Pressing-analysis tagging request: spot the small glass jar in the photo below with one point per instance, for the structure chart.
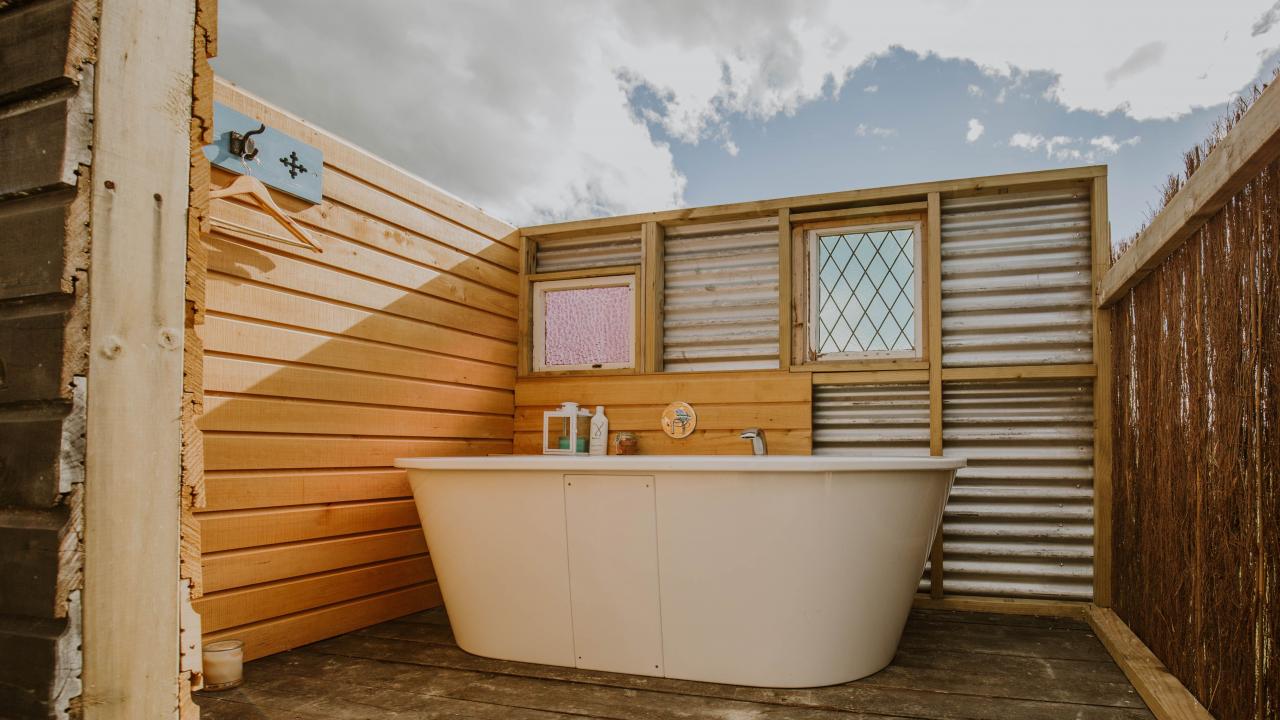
(626, 443)
(223, 664)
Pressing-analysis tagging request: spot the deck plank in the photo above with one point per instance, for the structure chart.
(951, 666)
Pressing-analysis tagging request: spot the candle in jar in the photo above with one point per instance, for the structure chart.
(223, 664)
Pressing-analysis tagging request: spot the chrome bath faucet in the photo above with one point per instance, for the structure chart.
(756, 436)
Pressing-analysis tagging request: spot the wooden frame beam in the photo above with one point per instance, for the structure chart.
(1005, 606)
(1102, 392)
(858, 212)
(133, 435)
(784, 288)
(933, 346)
(1019, 372)
(1163, 693)
(825, 201)
(653, 279)
(1252, 144)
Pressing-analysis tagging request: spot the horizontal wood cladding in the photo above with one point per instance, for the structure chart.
(255, 603)
(46, 134)
(42, 45)
(289, 631)
(726, 403)
(320, 369)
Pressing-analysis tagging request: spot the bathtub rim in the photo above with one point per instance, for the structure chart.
(685, 463)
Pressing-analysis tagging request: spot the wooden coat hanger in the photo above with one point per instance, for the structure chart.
(252, 187)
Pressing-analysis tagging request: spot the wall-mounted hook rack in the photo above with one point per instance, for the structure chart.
(242, 146)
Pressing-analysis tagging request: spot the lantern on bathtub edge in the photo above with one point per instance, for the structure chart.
(566, 431)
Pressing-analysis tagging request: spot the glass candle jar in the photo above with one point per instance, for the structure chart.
(223, 664)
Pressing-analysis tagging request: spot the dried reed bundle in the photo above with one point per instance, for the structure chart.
(1197, 450)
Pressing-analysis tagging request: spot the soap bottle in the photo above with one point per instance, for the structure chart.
(599, 432)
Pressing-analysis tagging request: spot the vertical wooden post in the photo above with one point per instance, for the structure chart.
(933, 323)
(784, 288)
(1102, 391)
(524, 344)
(141, 163)
(652, 277)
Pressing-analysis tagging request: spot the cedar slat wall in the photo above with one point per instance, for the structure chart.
(777, 402)
(320, 369)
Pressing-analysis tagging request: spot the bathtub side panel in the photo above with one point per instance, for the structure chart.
(497, 541)
(790, 580)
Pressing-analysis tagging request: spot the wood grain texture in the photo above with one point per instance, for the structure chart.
(1167, 698)
(951, 666)
(133, 457)
(43, 44)
(775, 401)
(319, 370)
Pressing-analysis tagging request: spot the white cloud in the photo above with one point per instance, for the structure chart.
(1026, 141)
(1108, 144)
(975, 91)
(730, 147)
(523, 107)
(871, 88)
(1064, 148)
(864, 130)
(976, 128)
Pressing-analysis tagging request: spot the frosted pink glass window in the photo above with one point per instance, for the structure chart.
(588, 326)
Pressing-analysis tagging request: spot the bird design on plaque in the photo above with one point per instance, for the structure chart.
(679, 420)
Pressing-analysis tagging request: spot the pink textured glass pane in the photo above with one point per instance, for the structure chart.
(588, 326)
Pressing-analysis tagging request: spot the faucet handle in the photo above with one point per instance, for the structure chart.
(750, 433)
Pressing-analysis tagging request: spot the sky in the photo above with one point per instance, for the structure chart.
(547, 110)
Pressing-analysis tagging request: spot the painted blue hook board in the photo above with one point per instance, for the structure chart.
(281, 162)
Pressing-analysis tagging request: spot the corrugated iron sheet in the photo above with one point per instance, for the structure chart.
(720, 302)
(871, 419)
(1016, 279)
(555, 255)
(1020, 518)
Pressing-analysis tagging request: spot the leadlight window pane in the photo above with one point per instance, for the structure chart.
(866, 289)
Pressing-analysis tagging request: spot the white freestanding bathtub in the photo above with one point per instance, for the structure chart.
(776, 571)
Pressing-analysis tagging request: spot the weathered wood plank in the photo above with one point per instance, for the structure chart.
(44, 143)
(860, 698)
(42, 45)
(1167, 697)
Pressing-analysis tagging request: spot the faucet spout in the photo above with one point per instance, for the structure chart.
(756, 436)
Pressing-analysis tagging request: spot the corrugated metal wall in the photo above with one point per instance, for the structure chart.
(1020, 518)
(871, 419)
(720, 306)
(554, 255)
(1016, 279)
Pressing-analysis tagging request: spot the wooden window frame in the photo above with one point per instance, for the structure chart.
(804, 284)
(538, 287)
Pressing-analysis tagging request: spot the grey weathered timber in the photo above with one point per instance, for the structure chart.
(46, 103)
(951, 666)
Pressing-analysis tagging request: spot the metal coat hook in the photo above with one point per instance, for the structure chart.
(242, 146)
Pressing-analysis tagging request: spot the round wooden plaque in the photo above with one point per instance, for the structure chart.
(679, 420)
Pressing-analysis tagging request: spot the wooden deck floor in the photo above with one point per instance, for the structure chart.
(950, 666)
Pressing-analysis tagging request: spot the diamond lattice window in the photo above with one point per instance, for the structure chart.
(865, 292)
